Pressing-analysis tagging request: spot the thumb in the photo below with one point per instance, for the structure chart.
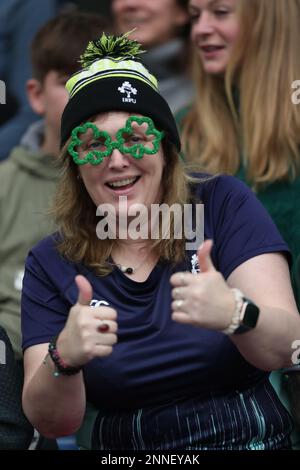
(85, 289)
(204, 259)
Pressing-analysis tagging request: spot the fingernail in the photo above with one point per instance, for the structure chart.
(103, 328)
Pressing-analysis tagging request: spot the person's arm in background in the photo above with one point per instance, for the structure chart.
(19, 21)
(15, 431)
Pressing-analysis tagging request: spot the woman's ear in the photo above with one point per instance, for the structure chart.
(35, 95)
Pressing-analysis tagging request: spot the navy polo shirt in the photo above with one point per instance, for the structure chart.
(156, 360)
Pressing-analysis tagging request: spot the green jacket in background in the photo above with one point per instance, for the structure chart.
(281, 199)
(27, 185)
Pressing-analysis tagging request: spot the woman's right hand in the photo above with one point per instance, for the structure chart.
(81, 340)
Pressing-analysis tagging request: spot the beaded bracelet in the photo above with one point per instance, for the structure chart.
(61, 368)
(236, 317)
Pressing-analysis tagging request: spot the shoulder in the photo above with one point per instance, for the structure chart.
(47, 244)
(45, 264)
(226, 200)
(11, 171)
(7, 175)
(45, 252)
(211, 188)
(48, 284)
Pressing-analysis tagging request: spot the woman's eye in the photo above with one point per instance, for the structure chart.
(133, 139)
(194, 18)
(221, 12)
(95, 145)
(136, 139)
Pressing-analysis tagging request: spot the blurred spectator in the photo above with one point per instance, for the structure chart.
(15, 431)
(19, 21)
(162, 26)
(28, 176)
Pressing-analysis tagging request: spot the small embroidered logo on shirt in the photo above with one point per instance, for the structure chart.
(128, 89)
(195, 264)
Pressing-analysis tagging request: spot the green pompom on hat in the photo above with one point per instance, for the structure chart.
(111, 46)
(113, 78)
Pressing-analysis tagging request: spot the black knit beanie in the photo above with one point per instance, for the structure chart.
(113, 78)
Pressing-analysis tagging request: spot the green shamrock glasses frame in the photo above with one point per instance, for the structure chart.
(137, 150)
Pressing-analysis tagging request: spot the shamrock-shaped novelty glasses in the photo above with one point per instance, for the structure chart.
(138, 137)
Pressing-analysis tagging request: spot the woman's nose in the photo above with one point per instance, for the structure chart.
(118, 160)
(204, 25)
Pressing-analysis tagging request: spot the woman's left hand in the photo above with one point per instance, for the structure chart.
(203, 300)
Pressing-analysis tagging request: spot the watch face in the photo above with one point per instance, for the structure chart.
(249, 320)
(251, 315)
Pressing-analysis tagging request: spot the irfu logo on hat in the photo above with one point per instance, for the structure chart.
(128, 89)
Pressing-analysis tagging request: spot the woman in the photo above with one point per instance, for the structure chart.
(163, 29)
(246, 60)
(172, 360)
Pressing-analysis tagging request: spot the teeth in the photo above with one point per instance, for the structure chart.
(211, 48)
(119, 184)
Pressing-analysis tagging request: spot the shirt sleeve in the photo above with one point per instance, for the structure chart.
(44, 305)
(241, 227)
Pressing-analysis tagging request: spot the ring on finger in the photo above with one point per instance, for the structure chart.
(103, 327)
(178, 304)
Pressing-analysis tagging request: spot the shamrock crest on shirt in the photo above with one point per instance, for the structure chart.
(195, 264)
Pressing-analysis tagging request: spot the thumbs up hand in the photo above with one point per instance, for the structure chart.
(204, 259)
(85, 291)
(202, 300)
(89, 331)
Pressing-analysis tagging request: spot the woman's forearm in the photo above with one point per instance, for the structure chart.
(54, 405)
(269, 345)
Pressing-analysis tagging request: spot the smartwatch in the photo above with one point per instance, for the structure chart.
(248, 317)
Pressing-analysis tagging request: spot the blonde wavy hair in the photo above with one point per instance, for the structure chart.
(265, 126)
(75, 214)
